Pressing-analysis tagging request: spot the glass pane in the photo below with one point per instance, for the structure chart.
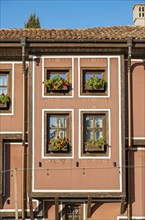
(99, 122)
(62, 134)
(89, 122)
(98, 75)
(89, 135)
(62, 122)
(88, 76)
(3, 91)
(53, 122)
(3, 80)
(52, 133)
(62, 75)
(99, 134)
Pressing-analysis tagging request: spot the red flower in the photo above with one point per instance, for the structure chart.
(64, 138)
(65, 84)
(55, 84)
(63, 80)
(2, 93)
(49, 143)
(57, 137)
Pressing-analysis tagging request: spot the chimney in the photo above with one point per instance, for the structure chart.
(139, 14)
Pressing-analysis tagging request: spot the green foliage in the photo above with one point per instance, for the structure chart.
(99, 142)
(33, 22)
(96, 83)
(56, 82)
(59, 143)
(4, 99)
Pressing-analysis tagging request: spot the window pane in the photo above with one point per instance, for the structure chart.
(62, 75)
(53, 122)
(89, 122)
(89, 135)
(3, 90)
(89, 75)
(99, 134)
(3, 80)
(62, 134)
(99, 122)
(52, 133)
(62, 122)
(98, 75)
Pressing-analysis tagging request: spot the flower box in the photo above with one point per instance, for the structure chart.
(95, 84)
(97, 89)
(63, 89)
(92, 148)
(58, 145)
(52, 149)
(56, 84)
(4, 105)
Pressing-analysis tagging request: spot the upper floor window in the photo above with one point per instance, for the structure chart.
(58, 133)
(5, 89)
(94, 82)
(57, 82)
(141, 11)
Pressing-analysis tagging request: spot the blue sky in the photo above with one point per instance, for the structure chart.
(68, 13)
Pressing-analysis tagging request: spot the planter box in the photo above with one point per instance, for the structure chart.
(4, 105)
(51, 149)
(62, 89)
(100, 89)
(92, 148)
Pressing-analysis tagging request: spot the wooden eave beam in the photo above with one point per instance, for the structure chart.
(89, 207)
(56, 208)
(123, 206)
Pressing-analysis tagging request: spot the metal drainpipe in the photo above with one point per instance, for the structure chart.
(129, 42)
(23, 190)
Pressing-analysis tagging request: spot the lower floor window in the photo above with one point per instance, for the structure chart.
(94, 135)
(73, 212)
(58, 132)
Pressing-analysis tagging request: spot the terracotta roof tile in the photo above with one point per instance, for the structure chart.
(114, 32)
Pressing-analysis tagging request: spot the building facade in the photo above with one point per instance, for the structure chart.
(72, 128)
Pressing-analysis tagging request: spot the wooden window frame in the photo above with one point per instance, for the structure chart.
(7, 72)
(54, 70)
(104, 150)
(55, 153)
(88, 92)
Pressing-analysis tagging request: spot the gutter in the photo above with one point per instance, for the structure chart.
(24, 123)
(129, 208)
(72, 40)
(24, 130)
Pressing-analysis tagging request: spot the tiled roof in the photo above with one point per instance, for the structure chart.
(114, 32)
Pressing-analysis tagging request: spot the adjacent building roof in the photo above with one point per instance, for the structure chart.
(114, 32)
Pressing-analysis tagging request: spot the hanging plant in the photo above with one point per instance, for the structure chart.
(56, 83)
(95, 83)
(59, 144)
